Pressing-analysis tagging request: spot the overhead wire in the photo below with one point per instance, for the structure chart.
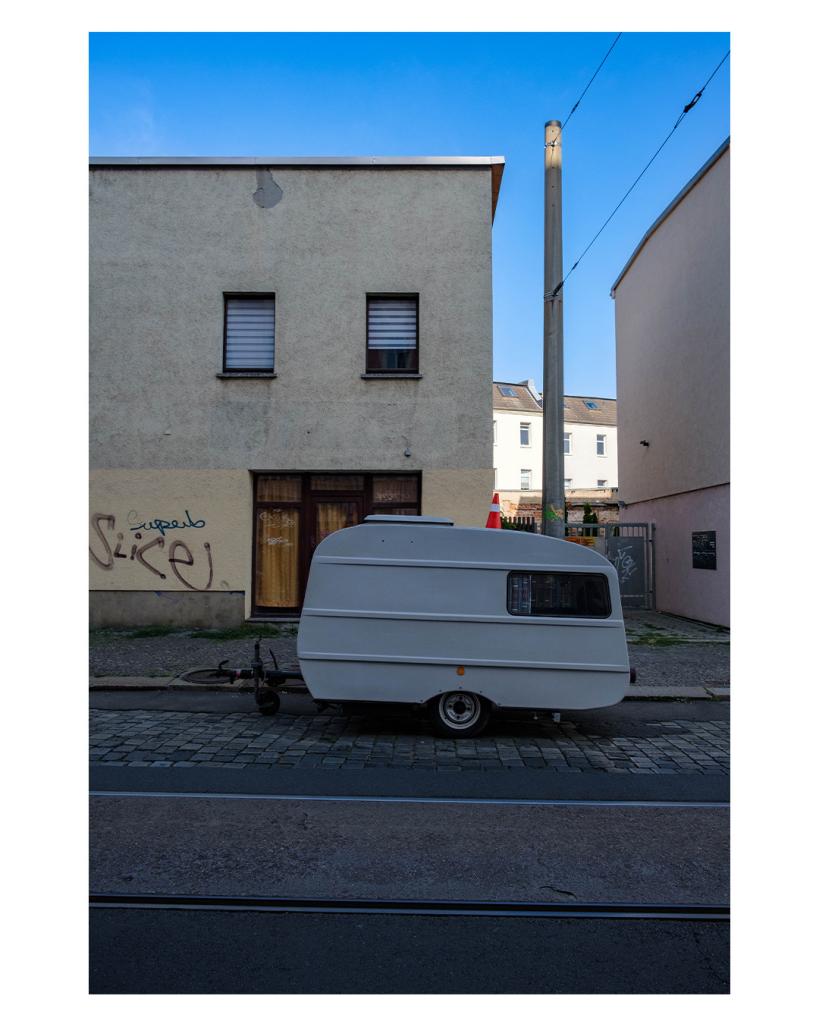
(677, 123)
(582, 94)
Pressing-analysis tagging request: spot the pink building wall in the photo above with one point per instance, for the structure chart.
(702, 594)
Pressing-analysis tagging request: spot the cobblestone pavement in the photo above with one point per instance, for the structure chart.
(185, 739)
(664, 650)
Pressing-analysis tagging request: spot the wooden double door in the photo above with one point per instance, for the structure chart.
(294, 512)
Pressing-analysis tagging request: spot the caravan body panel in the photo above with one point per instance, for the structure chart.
(403, 611)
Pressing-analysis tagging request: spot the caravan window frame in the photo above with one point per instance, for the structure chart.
(557, 613)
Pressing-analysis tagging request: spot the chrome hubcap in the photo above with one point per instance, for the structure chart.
(459, 709)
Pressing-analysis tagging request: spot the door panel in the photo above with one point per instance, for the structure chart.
(277, 558)
(330, 516)
(294, 511)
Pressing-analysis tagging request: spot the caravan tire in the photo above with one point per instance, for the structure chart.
(459, 713)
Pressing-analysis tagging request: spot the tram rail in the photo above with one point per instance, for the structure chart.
(463, 908)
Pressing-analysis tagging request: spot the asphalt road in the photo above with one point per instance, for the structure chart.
(321, 839)
(177, 951)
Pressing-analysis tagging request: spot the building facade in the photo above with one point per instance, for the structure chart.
(589, 451)
(672, 311)
(277, 350)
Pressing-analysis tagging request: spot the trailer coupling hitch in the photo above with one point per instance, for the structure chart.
(228, 673)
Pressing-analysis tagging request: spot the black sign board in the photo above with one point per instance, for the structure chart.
(705, 549)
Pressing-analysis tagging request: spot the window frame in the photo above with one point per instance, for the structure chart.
(557, 614)
(305, 505)
(567, 443)
(236, 371)
(528, 428)
(409, 371)
(601, 439)
(530, 479)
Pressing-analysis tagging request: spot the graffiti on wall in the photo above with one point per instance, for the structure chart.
(152, 554)
(624, 564)
(163, 524)
(278, 520)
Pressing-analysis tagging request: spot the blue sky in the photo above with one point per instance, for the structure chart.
(481, 94)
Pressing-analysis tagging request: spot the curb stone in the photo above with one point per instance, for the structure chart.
(710, 691)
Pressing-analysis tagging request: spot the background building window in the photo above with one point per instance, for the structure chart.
(567, 485)
(567, 444)
(601, 483)
(392, 334)
(524, 435)
(601, 444)
(494, 431)
(526, 479)
(250, 322)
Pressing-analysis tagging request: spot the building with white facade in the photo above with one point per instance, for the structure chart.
(589, 451)
(672, 314)
(590, 456)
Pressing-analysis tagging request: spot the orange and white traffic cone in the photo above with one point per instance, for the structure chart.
(494, 520)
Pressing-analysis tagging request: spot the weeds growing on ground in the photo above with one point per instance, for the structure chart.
(248, 631)
(145, 631)
(654, 641)
(108, 634)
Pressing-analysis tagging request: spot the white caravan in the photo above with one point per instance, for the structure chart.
(414, 610)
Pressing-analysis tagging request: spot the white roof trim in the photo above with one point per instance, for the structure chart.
(295, 161)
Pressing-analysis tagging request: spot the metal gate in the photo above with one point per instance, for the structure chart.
(628, 546)
(630, 549)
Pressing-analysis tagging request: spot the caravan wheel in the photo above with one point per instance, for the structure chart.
(459, 714)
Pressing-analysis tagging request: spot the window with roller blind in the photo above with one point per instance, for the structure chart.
(392, 334)
(250, 333)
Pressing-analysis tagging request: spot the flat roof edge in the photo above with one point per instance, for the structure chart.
(295, 161)
(670, 208)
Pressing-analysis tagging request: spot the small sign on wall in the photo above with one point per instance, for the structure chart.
(705, 549)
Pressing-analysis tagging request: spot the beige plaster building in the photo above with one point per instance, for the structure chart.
(589, 451)
(672, 316)
(279, 347)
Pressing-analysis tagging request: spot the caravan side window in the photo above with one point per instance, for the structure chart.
(579, 594)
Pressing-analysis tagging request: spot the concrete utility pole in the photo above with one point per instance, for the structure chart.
(553, 492)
